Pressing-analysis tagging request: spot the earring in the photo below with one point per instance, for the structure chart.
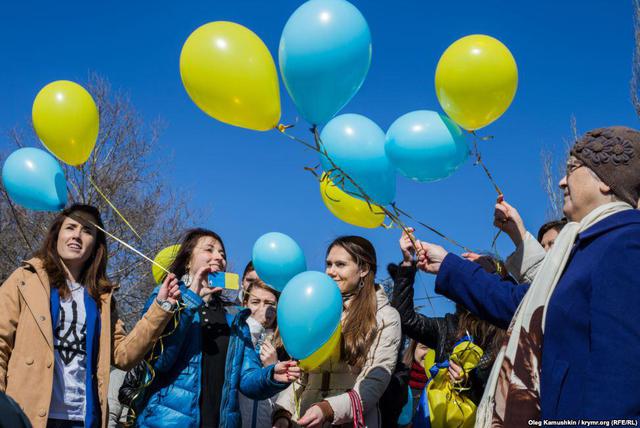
(361, 284)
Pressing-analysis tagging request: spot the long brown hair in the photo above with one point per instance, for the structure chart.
(94, 272)
(408, 355)
(189, 242)
(359, 327)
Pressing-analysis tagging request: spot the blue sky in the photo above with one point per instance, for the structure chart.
(574, 58)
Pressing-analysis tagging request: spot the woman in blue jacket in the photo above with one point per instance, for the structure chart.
(203, 361)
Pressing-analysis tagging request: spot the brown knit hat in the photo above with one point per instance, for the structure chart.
(613, 153)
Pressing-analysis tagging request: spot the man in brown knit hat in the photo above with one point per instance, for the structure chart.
(573, 348)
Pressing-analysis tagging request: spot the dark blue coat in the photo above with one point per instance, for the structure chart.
(591, 346)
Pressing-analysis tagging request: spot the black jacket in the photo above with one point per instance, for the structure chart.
(395, 396)
(132, 385)
(438, 333)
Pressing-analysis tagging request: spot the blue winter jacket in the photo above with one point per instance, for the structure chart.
(173, 399)
(591, 345)
(244, 373)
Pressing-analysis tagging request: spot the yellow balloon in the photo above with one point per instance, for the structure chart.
(164, 258)
(330, 351)
(348, 208)
(476, 80)
(66, 120)
(230, 74)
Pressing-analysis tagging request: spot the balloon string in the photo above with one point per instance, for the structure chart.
(479, 161)
(494, 247)
(112, 206)
(393, 216)
(432, 229)
(341, 175)
(159, 266)
(283, 128)
(336, 171)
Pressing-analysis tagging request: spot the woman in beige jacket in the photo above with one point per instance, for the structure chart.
(59, 328)
(338, 393)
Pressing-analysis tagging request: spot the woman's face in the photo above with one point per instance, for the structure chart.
(420, 352)
(262, 304)
(208, 252)
(75, 243)
(344, 270)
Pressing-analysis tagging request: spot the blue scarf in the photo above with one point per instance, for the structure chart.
(92, 416)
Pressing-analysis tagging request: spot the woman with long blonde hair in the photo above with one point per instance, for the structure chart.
(341, 393)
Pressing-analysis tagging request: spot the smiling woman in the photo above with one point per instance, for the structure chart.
(349, 391)
(206, 359)
(60, 331)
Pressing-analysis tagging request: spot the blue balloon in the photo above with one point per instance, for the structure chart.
(34, 179)
(426, 146)
(356, 145)
(324, 55)
(309, 310)
(277, 258)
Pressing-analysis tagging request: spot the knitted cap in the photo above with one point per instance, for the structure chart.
(613, 153)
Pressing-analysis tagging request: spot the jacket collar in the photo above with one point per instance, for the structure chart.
(240, 323)
(381, 297)
(36, 266)
(612, 222)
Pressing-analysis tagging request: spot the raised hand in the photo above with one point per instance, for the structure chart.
(507, 218)
(406, 246)
(430, 257)
(456, 373)
(199, 283)
(170, 289)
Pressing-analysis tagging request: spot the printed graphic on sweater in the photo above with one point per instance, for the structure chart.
(70, 334)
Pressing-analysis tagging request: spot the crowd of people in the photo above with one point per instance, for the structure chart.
(550, 334)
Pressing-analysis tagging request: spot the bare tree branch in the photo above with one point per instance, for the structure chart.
(553, 168)
(121, 167)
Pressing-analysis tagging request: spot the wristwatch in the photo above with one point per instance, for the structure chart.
(166, 305)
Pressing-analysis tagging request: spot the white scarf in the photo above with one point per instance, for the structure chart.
(537, 296)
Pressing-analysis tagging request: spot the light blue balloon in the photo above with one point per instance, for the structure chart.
(309, 310)
(426, 146)
(324, 55)
(356, 145)
(277, 258)
(34, 179)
